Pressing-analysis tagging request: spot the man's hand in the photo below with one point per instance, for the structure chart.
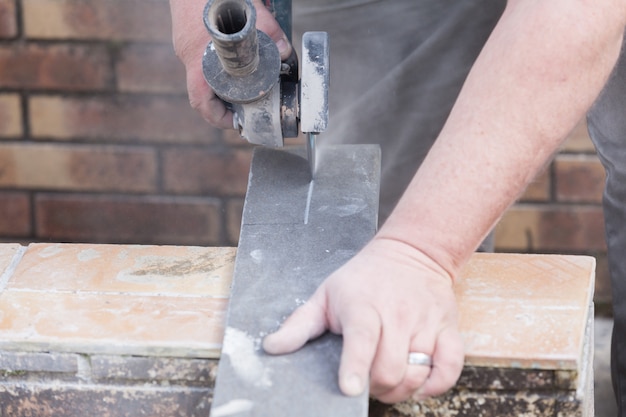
(387, 301)
(191, 39)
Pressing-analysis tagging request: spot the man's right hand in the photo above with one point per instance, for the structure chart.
(191, 38)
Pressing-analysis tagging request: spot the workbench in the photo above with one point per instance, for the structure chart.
(127, 330)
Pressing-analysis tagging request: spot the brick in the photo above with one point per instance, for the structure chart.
(52, 362)
(123, 324)
(539, 189)
(78, 167)
(503, 379)
(144, 300)
(8, 19)
(150, 68)
(579, 178)
(468, 403)
(127, 368)
(62, 67)
(202, 171)
(150, 119)
(15, 214)
(578, 141)
(565, 229)
(92, 19)
(10, 115)
(133, 270)
(140, 220)
(542, 307)
(80, 400)
(234, 210)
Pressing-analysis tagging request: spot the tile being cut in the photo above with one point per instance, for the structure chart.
(295, 232)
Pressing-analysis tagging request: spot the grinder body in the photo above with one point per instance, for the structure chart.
(243, 67)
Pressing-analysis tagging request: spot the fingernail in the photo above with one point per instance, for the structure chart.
(282, 45)
(352, 385)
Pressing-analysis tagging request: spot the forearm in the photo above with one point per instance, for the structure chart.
(539, 72)
(190, 37)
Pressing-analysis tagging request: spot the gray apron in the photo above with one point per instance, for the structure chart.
(607, 127)
(397, 67)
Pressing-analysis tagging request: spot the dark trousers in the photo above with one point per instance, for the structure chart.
(607, 127)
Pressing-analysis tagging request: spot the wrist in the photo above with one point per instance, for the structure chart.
(405, 252)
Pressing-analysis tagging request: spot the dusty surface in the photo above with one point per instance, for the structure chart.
(523, 319)
(515, 310)
(116, 299)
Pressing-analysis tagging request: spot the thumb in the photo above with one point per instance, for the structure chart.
(305, 323)
(268, 24)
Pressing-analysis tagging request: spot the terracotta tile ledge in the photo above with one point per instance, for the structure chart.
(131, 310)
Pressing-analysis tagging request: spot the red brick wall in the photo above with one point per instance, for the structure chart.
(561, 211)
(98, 142)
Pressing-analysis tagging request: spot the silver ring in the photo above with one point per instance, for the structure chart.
(419, 358)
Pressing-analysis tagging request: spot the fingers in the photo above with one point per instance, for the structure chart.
(421, 381)
(361, 333)
(305, 323)
(204, 100)
(411, 377)
(389, 369)
(268, 24)
(366, 348)
(447, 365)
